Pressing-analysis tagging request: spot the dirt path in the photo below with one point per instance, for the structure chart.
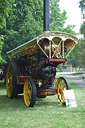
(76, 79)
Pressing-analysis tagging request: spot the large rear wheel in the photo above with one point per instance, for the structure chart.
(29, 92)
(11, 80)
(61, 85)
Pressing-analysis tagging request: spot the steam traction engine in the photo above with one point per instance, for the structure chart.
(32, 69)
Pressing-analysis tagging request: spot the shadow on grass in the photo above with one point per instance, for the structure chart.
(7, 104)
(48, 101)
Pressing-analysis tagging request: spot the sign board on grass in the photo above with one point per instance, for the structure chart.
(70, 98)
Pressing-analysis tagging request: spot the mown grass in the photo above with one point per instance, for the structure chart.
(46, 113)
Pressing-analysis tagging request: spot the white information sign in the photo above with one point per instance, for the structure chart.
(70, 98)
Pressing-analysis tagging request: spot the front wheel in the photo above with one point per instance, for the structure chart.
(61, 85)
(29, 92)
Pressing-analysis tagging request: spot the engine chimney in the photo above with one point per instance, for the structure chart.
(46, 15)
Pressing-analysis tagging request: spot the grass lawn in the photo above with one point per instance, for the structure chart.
(46, 113)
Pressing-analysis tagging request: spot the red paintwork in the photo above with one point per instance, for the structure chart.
(57, 60)
(21, 79)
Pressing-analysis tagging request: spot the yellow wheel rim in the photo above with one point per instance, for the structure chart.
(27, 93)
(9, 81)
(61, 86)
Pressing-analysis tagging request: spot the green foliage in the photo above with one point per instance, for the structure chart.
(69, 29)
(82, 5)
(82, 50)
(1, 45)
(24, 23)
(1, 42)
(5, 7)
(75, 57)
(82, 29)
(57, 19)
(59, 69)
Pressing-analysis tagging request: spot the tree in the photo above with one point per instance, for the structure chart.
(1, 46)
(57, 19)
(75, 57)
(82, 50)
(82, 27)
(82, 31)
(23, 21)
(5, 7)
(69, 29)
(82, 5)
(23, 24)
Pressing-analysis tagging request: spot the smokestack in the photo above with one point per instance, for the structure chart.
(46, 15)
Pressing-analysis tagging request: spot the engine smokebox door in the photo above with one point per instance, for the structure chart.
(47, 71)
